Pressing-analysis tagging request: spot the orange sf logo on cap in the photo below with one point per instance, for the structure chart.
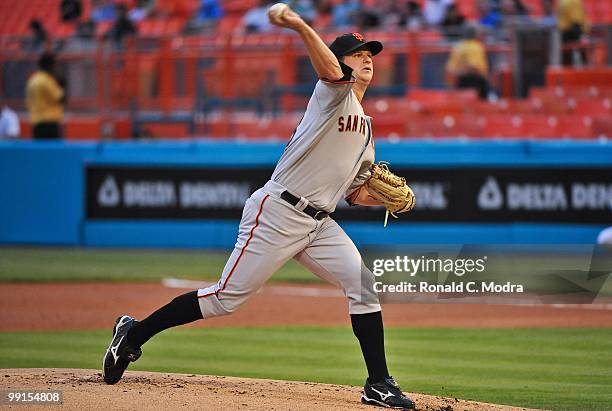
(358, 36)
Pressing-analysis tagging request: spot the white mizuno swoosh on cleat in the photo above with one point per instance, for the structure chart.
(114, 349)
(382, 395)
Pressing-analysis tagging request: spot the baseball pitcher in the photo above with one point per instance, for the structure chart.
(330, 156)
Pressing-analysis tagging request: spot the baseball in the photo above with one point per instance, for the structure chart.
(276, 11)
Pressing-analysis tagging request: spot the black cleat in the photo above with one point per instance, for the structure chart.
(119, 354)
(386, 393)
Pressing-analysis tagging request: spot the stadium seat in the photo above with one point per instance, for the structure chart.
(389, 125)
(238, 6)
(264, 128)
(83, 128)
(441, 102)
(444, 126)
(568, 77)
(25, 128)
(590, 106)
(166, 130)
(229, 23)
(537, 126)
(502, 126)
(602, 127)
(574, 127)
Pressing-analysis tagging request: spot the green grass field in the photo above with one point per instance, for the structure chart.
(552, 368)
(547, 368)
(61, 264)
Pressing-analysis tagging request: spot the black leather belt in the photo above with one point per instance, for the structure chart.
(310, 210)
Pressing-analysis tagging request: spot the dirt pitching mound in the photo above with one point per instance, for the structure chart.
(84, 389)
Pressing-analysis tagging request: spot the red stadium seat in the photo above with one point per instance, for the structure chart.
(280, 128)
(83, 128)
(590, 106)
(574, 127)
(25, 129)
(389, 125)
(538, 126)
(502, 126)
(602, 127)
(567, 77)
(444, 126)
(166, 130)
(382, 105)
(441, 102)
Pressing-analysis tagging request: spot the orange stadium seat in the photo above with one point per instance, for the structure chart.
(229, 23)
(122, 128)
(217, 127)
(157, 27)
(441, 102)
(550, 104)
(574, 127)
(389, 105)
(388, 125)
(502, 126)
(238, 6)
(166, 130)
(571, 91)
(537, 126)
(602, 127)
(179, 8)
(83, 128)
(590, 106)
(281, 128)
(25, 128)
(569, 77)
(444, 126)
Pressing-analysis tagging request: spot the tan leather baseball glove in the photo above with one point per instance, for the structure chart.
(391, 190)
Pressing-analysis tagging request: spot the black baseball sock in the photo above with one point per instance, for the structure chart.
(182, 310)
(368, 329)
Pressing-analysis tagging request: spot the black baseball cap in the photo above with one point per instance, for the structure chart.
(350, 42)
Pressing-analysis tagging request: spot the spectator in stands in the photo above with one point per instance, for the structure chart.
(45, 100)
(467, 65)
(71, 10)
(9, 122)
(142, 10)
(572, 24)
(305, 8)
(490, 16)
(256, 20)
(84, 37)
(391, 14)
(39, 37)
(435, 10)
(366, 19)
(86, 30)
(513, 8)
(345, 13)
(122, 27)
(452, 25)
(206, 17)
(414, 17)
(103, 10)
(548, 16)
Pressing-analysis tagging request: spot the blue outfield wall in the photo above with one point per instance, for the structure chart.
(43, 189)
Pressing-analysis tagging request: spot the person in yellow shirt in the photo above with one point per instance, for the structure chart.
(45, 100)
(467, 65)
(571, 22)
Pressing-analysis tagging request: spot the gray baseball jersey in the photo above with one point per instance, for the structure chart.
(331, 150)
(328, 157)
